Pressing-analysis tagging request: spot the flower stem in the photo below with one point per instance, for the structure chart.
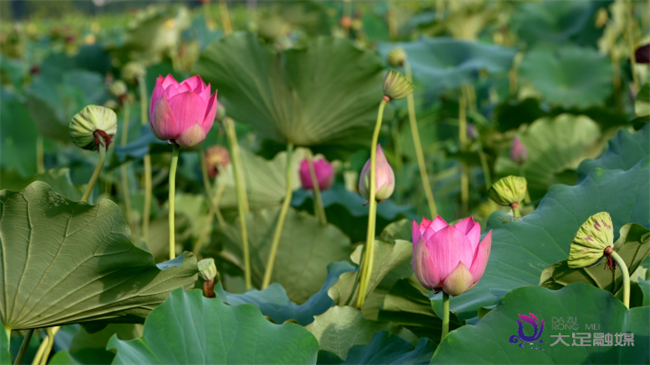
(626, 278)
(515, 212)
(214, 211)
(123, 170)
(485, 167)
(462, 138)
(225, 17)
(146, 210)
(283, 214)
(47, 345)
(418, 147)
(369, 252)
(445, 315)
(40, 155)
(98, 170)
(23, 346)
(318, 202)
(630, 41)
(172, 194)
(242, 199)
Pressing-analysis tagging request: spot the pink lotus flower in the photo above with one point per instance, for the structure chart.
(324, 174)
(518, 151)
(182, 113)
(385, 178)
(449, 258)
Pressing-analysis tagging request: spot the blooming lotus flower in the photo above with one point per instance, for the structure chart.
(518, 151)
(385, 178)
(182, 113)
(324, 174)
(449, 258)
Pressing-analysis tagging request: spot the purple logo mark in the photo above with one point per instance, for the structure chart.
(529, 341)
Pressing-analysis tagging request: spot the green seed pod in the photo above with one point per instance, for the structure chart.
(118, 89)
(396, 57)
(589, 244)
(93, 126)
(133, 71)
(396, 86)
(508, 191)
(208, 270)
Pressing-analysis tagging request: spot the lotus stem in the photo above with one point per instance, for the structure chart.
(630, 41)
(146, 210)
(23, 346)
(123, 170)
(214, 211)
(225, 17)
(626, 278)
(445, 315)
(206, 178)
(40, 155)
(462, 138)
(515, 210)
(172, 195)
(242, 199)
(485, 167)
(319, 210)
(366, 268)
(98, 170)
(51, 332)
(283, 214)
(418, 147)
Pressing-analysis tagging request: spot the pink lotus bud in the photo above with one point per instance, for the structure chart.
(324, 174)
(182, 113)
(385, 178)
(449, 258)
(518, 151)
(216, 156)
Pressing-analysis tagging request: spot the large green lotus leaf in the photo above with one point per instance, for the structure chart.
(191, 329)
(385, 348)
(306, 248)
(325, 94)
(340, 328)
(446, 63)
(556, 22)
(633, 245)
(624, 151)
(554, 145)
(57, 179)
(82, 347)
(523, 247)
(489, 341)
(273, 301)
(348, 210)
(265, 179)
(569, 76)
(67, 262)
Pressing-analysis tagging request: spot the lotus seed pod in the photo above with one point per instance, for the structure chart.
(396, 86)
(590, 242)
(93, 126)
(509, 191)
(208, 270)
(133, 71)
(118, 89)
(396, 57)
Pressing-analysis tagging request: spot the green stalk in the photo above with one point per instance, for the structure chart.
(146, 210)
(318, 202)
(206, 179)
(283, 214)
(172, 194)
(626, 278)
(98, 170)
(445, 315)
(51, 332)
(23, 346)
(40, 155)
(366, 268)
(418, 147)
(462, 138)
(630, 42)
(485, 167)
(214, 211)
(515, 211)
(225, 17)
(123, 171)
(242, 199)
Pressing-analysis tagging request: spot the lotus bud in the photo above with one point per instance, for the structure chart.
(396, 86)
(208, 270)
(118, 89)
(472, 133)
(133, 71)
(385, 178)
(92, 127)
(345, 22)
(449, 258)
(518, 151)
(216, 156)
(324, 174)
(594, 239)
(509, 191)
(396, 57)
